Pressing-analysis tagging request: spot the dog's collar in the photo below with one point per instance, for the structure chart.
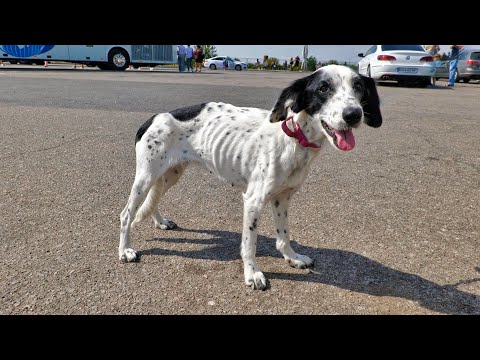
(297, 133)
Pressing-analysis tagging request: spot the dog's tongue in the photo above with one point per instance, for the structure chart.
(345, 139)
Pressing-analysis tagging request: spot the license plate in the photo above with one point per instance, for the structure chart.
(407, 70)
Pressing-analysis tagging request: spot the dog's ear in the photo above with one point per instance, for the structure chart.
(371, 103)
(291, 97)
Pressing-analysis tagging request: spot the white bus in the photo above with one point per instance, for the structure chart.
(106, 57)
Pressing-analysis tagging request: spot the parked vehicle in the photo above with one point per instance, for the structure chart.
(468, 66)
(217, 62)
(106, 57)
(402, 63)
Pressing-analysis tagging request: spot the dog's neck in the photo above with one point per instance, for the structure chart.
(302, 130)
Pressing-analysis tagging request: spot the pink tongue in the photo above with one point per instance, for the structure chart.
(345, 139)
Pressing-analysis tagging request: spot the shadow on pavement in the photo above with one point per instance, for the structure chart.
(344, 269)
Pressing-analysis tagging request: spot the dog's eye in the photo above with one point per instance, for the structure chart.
(358, 86)
(324, 88)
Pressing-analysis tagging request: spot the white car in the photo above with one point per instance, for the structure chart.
(217, 62)
(402, 63)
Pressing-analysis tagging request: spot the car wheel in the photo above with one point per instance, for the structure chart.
(425, 82)
(466, 80)
(118, 59)
(238, 67)
(212, 67)
(457, 78)
(369, 74)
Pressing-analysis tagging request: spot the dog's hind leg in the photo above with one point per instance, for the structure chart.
(141, 186)
(150, 205)
(168, 180)
(280, 219)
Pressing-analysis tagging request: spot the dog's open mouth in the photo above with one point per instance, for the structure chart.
(343, 139)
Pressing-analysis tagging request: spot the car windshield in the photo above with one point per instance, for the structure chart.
(475, 56)
(236, 59)
(402, 47)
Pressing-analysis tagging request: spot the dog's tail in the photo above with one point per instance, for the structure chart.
(150, 203)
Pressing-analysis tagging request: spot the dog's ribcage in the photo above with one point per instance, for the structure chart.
(236, 143)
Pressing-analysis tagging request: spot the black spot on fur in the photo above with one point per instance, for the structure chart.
(304, 94)
(180, 139)
(285, 213)
(176, 171)
(228, 133)
(229, 110)
(149, 146)
(143, 129)
(277, 203)
(185, 151)
(278, 231)
(157, 142)
(188, 113)
(278, 214)
(285, 231)
(251, 228)
(220, 106)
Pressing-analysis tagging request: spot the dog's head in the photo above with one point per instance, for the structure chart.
(336, 99)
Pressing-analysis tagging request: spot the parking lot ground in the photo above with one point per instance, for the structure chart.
(393, 226)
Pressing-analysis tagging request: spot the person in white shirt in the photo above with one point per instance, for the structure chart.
(181, 57)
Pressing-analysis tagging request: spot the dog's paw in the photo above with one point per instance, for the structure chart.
(300, 262)
(128, 255)
(166, 224)
(256, 280)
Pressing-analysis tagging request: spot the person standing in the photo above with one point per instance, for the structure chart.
(189, 57)
(198, 55)
(297, 63)
(181, 57)
(456, 49)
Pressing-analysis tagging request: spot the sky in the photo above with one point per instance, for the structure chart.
(340, 53)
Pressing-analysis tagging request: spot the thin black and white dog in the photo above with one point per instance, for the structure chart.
(265, 153)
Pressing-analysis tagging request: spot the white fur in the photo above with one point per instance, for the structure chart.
(248, 152)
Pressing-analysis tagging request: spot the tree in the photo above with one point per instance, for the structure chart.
(209, 51)
(311, 63)
(444, 57)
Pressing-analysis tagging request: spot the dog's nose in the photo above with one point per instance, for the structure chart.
(352, 115)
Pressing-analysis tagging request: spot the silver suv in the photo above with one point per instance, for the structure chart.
(468, 66)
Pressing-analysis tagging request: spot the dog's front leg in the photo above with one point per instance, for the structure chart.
(253, 203)
(280, 219)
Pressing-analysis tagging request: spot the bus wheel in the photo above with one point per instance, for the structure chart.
(118, 59)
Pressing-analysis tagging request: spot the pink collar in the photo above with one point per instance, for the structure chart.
(297, 133)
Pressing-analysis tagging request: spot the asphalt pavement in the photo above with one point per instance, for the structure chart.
(393, 226)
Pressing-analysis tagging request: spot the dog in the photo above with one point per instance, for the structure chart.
(265, 153)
